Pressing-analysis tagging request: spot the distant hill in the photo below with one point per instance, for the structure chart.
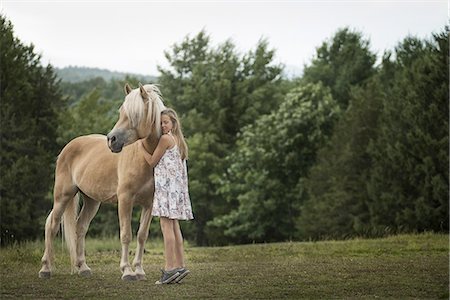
(77, 74)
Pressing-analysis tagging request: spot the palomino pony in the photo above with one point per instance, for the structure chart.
(88, 167)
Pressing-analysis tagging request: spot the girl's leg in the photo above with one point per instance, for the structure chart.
(179, 248)
(167, 228)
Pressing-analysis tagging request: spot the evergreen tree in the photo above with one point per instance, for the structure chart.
(341, 63)
(344, 64)
(216, 92)
(385, 169)
(337, 184)
(30, 104)
(90, 114)
(409, 181)
(273, 155)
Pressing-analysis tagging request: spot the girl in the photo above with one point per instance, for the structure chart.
(171, 201)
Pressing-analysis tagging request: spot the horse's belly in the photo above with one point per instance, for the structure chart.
(98, 180)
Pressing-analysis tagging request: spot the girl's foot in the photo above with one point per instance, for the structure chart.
(183, 272)
(168, 276)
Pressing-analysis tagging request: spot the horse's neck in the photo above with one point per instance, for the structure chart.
(151, 142)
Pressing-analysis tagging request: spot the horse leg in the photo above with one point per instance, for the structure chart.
(61, 199)
(125, 212)
(142, 236)
(89, 210)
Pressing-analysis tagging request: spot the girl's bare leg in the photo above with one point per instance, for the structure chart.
(179, 248)
(167, 228)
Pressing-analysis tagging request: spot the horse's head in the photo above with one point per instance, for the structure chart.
(140, 116)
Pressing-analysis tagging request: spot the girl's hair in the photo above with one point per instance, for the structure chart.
(176, 131)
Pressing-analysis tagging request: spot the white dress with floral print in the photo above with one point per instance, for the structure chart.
(171, 198)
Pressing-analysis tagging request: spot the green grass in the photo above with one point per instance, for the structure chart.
(404, 266)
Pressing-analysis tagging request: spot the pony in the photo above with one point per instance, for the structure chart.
(107, 169)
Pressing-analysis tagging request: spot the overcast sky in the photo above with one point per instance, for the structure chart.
(131, 36)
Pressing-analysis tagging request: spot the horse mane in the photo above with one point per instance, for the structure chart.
(134, 107)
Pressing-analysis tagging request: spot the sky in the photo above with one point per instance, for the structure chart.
(131, 36)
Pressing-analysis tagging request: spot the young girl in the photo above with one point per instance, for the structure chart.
(171, 201)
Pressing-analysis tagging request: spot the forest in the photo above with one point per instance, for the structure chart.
(354, 147)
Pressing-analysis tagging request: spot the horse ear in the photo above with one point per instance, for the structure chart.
(143, 92)
(127, 89)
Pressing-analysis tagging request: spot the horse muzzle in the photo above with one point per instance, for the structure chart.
(114, 144)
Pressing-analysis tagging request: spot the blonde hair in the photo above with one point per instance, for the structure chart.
(177, 132)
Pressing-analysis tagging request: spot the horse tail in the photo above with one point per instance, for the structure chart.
(70, 230)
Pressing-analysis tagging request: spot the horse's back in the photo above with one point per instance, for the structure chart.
(80, 149)
(91, 166)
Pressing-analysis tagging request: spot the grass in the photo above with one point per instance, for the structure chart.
(404, 266)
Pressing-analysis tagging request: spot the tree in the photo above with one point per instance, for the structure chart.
(336, 188)
(385, 169)
(30, 104)
(409, 184)
(342, 63)
(216, 92)
(264, 181)
(90, 114)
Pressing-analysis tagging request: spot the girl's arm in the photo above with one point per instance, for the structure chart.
(164, 143)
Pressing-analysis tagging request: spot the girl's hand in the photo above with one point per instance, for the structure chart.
(147, 156)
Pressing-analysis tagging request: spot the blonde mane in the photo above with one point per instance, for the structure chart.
(134, 107)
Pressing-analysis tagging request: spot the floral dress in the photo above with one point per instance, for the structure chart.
(171, 198)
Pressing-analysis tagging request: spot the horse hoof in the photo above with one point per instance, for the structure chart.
(85, 273)
(129, 277)
(44, 274)
(140, 277)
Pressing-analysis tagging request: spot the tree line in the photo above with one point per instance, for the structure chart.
(350, 148)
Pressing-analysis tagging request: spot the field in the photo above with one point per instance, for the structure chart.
(404, 266)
